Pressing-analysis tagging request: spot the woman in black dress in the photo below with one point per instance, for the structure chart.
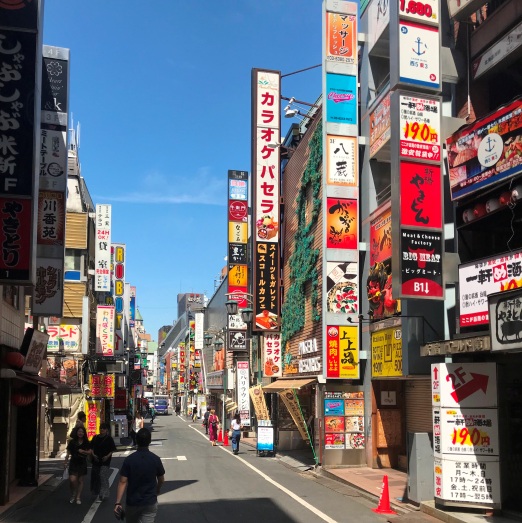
(78, 449)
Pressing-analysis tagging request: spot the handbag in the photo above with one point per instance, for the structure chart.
(230, 433)
(65, 474)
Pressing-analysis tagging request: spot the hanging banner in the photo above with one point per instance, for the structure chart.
(342, 167)
(292, 404)
(94, 412)
(342, 287)
(342, 223)
(381, 236)
(259, 402)
(380, 126)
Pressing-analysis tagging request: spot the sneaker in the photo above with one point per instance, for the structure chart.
(72, 500)
(78, 501)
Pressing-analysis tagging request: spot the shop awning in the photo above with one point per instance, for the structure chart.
(59, 388)
(283, 384)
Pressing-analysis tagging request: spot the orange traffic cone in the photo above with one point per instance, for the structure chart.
(220, 436)
(384, 501)
(225, 439)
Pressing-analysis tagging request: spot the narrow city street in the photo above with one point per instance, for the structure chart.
(205, 483)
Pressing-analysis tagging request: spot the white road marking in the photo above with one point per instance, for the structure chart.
(179, 458)
(295, 497)
(96, 505)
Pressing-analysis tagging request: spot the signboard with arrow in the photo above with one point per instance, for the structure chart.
(464, 385)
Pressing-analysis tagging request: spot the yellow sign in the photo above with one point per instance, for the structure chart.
(292, 404)
(238, 275)
(387, 353)
(237, 232)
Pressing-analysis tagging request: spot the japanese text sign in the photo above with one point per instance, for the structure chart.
(102, 263)
(105, 330)
(342, 223)
(243, 395)
(342, 352)
(493, 143)
(420, 126)
(342, 158)
(479, 279)
(421, 195)
(380, 125)
(272, 363)
(465, 431)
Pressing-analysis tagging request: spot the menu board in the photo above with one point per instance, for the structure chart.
(344, 420)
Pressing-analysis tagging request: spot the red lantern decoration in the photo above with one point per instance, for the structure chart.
(14, 359)
(22, 398)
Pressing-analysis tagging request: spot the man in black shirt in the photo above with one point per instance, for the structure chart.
(142, 474)
(102, 446)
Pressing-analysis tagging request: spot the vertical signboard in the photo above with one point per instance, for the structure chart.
(118, 273)
(50, 231)
(340, 191)
(237, 215)
(20, 87)
(243, 397)
(102, 260)
(105, 330)
(266, 170)
(465, 433)
(417, 197)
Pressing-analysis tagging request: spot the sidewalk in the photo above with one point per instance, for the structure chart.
(369, 482)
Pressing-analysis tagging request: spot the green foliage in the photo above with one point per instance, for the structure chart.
(304, 259)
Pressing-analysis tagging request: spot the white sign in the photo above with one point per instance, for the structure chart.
(378, 20)
(420, 128)
(467, 479)
(102, 261)
(342, 165)
(419, 55)
(505, 314)
(464, 385)
(199, 331)
(105, 330)
(479, 279)
(495, 54)
(243, 395)
(310, 365)
(465, 431)
(64, 337)
(36, 352)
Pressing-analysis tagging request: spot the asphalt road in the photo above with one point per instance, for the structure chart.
(207, 484)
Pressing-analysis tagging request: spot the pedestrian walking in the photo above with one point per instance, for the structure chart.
(178, 409)
(236, 427)
(78, 449)
(137, 424)
(194, 414)
(205, 419)
(213, 422)
(102, 447)
(142, 475)
(81, 418)
(152, 413)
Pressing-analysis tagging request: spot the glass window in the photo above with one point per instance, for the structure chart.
(73, 260)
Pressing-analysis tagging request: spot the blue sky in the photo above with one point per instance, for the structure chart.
(162, 91)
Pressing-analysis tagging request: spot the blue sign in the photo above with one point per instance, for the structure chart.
(334, 407)
(341, 99)
(265, 439)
